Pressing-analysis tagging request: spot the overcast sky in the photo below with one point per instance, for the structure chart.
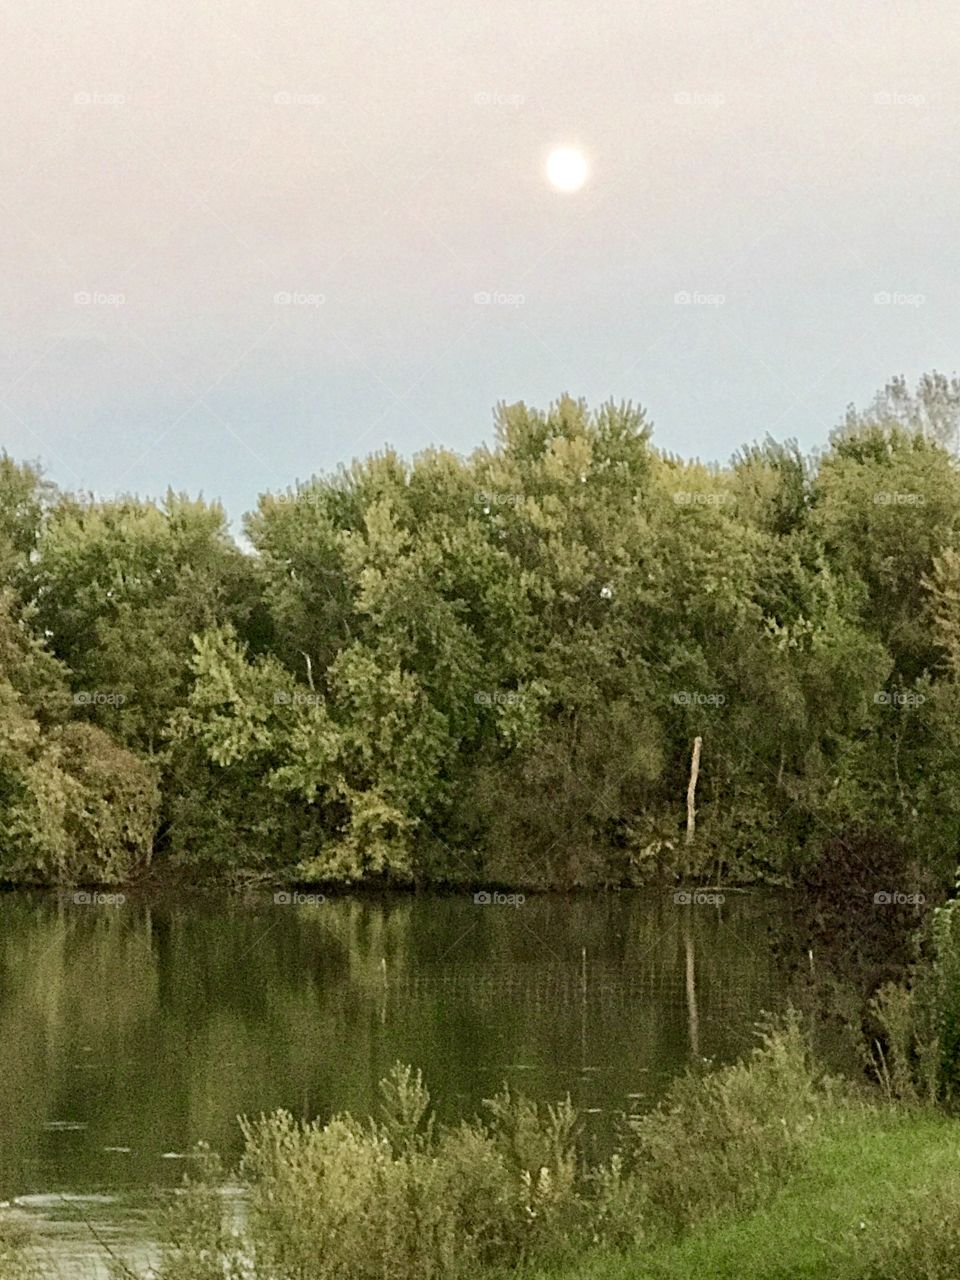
(243, 242)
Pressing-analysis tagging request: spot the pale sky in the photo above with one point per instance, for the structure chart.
(168, 169)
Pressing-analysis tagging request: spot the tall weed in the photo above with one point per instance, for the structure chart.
(920, 1020)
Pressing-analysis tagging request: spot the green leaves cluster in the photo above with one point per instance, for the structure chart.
(493, 668)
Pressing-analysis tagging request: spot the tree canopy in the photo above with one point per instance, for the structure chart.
(493, 668)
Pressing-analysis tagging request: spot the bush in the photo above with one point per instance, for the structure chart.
(198, 1243)
(836, 917)
(405, 1197)
(726, 1140)
(920, 1019)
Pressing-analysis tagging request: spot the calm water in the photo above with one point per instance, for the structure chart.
(129, 1032)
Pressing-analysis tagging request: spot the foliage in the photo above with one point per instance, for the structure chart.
(722, 1142)
(492, 668)
(197, 1241)
(111, 811)
(74, 804)
(919, 1056)
(78, 808)
(764, 1169)
(875, 1200)
(404, 1196)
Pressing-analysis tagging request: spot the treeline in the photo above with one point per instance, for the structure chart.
(493, 669)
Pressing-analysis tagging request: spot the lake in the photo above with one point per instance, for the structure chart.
(131, 1030)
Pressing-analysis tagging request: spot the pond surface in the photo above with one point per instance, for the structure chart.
(130, 1031)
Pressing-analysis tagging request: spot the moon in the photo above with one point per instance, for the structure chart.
(567, 169)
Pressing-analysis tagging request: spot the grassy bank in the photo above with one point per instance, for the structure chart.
(767, 1169)
(876, 1200)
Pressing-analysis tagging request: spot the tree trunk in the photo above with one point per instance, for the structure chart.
(692, 790)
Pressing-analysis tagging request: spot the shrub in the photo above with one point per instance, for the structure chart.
(939, 992)
(906, 1070)
(198, 1243)
(835, 915)
(32, 795)
(403, 1197)
(723, 1141)
(919, 1056)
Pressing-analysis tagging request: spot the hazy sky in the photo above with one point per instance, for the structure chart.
(169, 169)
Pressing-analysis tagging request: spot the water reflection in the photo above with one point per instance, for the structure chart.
(128, 1033)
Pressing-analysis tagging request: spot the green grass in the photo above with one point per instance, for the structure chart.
(868, 1182)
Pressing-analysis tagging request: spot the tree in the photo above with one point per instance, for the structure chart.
(121, 589)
